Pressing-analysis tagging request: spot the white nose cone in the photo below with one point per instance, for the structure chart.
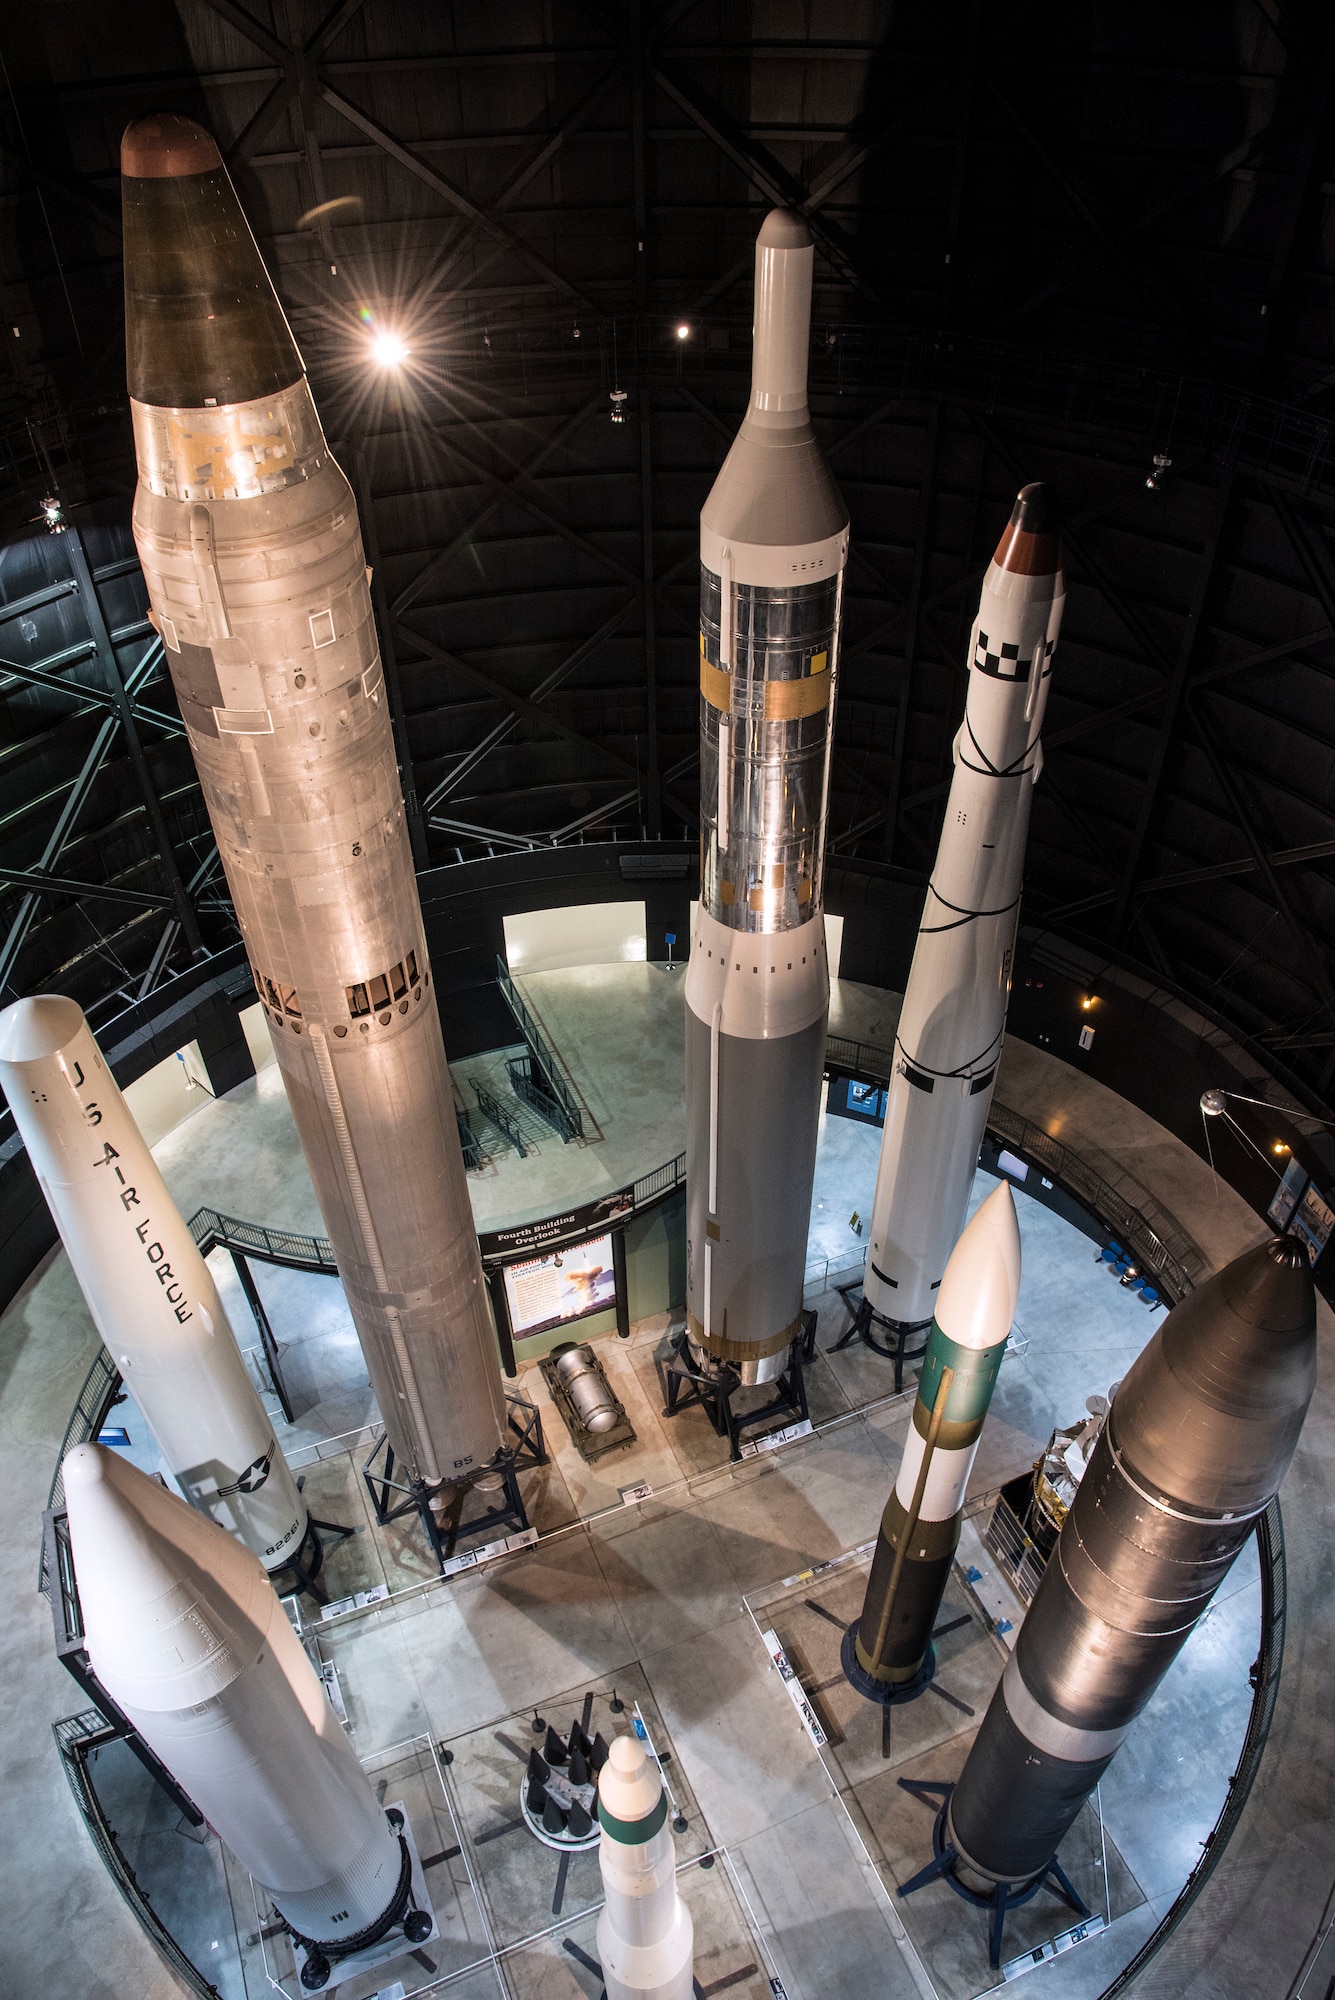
(975, 1306)
(173, 1608)
(646, 1941)
(186, 1635)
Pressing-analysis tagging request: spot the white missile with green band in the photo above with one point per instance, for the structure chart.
(888, 1650)
(150, 1292)
(646, 1940)
(953, 1022)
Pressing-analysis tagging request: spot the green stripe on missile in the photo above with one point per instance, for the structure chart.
(634, 1832)
(970, 1392)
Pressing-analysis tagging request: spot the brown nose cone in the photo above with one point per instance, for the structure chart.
(164, 145)
(1031, 545)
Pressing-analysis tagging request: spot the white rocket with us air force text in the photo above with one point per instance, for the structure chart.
(773, 546)
(953, 1022)
(151, 1294)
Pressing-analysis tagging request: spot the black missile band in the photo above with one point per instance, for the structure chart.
(930, 1540)
(1017, 768)
(634, 1832)
(965, 1073)
(975, 1373)
(964, 915)
(1196, 1518)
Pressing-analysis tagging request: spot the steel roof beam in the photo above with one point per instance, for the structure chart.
(41, 884)
(1302, 933)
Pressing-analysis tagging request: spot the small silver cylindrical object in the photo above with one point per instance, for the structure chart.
(582, 1378)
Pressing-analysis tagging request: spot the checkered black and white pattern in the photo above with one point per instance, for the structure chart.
(1005, 664)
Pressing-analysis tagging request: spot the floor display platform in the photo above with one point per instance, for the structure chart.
(869, 1751)
(511, 1916)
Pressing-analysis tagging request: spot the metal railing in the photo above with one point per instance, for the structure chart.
(651, 1187)
(1159, 1243)
(469, 1142)
(1170, 1260)
(1265, 1683)
(544, 1060)
(100, 1389)
(529, 1083)
(288, 1247)
(504, 1121)
(76, 1737)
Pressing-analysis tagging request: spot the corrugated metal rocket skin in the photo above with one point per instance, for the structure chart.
(773, 545)
(1196, 1444)
(151, 1294)
(952, 1024)
(974, 1311)
(185, 1633)
(247, 532)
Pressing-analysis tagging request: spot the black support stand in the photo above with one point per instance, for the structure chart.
(898, 1349)
(945, 1863)
(686, 1384)
(300, 1573)
(440, 1506)
(247, 1281)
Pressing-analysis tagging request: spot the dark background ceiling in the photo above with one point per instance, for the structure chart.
(1052, 243)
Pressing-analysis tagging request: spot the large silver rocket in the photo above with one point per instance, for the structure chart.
(954, 1015)
(247, 532)
(773, 546)
(151, 1294)
(1197, 1442)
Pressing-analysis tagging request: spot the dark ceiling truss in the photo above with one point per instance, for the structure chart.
(534, 571)
(108, 689)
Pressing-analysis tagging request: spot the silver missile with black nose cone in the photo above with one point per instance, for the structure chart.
(247, 532)
(1197, 1442)
(773, 545)
(953, 1021)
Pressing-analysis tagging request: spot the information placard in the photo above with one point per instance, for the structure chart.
(568, 1284)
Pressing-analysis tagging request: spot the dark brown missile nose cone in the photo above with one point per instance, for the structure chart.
(1271, 1287)
(203, 326)
(1031, 545)
(1245, 1340)
(165, 144)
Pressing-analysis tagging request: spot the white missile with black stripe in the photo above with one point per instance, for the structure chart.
(773, 546)
(151, 1294)
(248, 535)
(953, 1021)
(187, 1637)
(646, 1940)
(1196, 1445)
(888, 1651)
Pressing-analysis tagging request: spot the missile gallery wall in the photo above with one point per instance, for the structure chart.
(248, 535)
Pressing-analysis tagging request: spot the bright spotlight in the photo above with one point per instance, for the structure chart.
(683, 331)
(388, 350)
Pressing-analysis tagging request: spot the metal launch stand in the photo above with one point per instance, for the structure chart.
(865, 1318)
(686, 1384)
(945, 1864)
(440, 1505)
(301, 1571)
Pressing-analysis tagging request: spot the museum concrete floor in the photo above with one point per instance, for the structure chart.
(656, 1591)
